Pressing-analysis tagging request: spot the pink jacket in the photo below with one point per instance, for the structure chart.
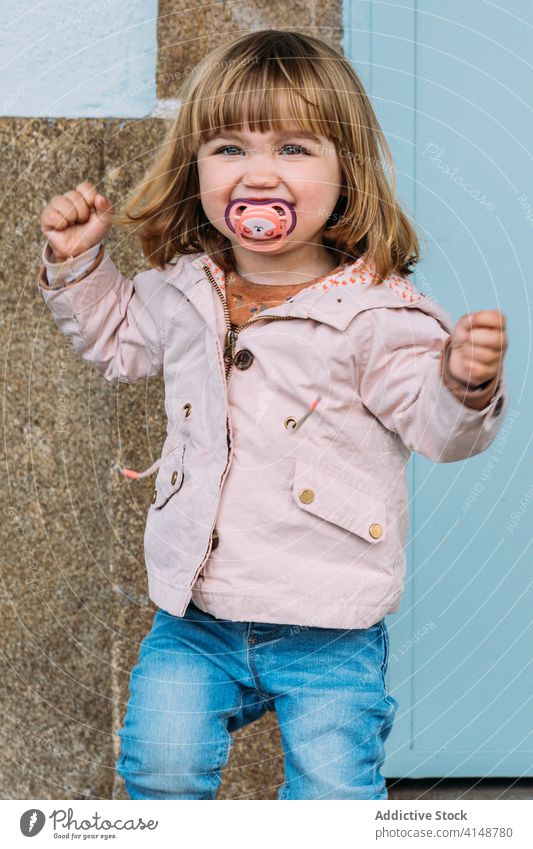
(251, 519)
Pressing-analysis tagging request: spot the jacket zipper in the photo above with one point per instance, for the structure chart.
(229, 350)
(233, 331)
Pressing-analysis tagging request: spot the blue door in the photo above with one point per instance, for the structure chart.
(452, 86)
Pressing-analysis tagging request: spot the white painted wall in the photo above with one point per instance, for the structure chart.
(78, 60)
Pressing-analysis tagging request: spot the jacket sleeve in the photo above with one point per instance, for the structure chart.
(113, 322)
(59, 273)
(399, 360)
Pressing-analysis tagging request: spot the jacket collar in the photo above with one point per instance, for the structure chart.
(335, 300)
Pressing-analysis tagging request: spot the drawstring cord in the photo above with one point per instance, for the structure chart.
(312, 408)
(133, 475)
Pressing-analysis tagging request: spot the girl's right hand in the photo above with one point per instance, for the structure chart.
(76, 221)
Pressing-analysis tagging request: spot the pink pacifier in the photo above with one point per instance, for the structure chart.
(261, 225)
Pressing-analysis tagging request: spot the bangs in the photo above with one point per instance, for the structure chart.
(275, 94)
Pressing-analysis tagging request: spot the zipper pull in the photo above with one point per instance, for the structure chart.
(231, 338)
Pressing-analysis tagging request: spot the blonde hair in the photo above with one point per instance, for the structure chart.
(240, 84)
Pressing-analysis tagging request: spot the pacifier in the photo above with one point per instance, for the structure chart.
(261, 225)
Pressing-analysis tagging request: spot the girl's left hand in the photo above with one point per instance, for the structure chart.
(478, 344)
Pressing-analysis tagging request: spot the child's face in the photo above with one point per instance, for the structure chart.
(302, 170)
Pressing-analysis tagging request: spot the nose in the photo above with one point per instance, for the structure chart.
(260, 179)
(260, 174)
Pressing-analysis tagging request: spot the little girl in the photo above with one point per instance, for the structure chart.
(301, 368)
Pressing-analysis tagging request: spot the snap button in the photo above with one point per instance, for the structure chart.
(290, 422)
(187, 409)
(498, 406)
(154, 496)
(306, 496)
(215, 538)
(243, 359)
(375, 530)
(174, 478)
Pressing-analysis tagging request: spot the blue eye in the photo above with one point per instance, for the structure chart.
(228, 147)
(301, 147)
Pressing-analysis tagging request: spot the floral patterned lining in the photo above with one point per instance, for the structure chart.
(353, 274)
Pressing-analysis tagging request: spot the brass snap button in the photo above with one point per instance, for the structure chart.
(243, 359)
(174, 478)
(306, 496)
(154, 496)
(187, 409)
(215, 539)
(375, 531)
(290, 422)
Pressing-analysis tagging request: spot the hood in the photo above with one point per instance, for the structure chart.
(335, 299)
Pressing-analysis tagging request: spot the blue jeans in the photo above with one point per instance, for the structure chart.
(199, 678)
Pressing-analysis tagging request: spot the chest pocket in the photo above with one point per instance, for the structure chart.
(332, 498)
(170, 476)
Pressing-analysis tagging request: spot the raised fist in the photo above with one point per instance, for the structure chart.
(478, 346)
(76, 221)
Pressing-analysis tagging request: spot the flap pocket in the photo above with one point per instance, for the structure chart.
(331, 498)
(170, 476)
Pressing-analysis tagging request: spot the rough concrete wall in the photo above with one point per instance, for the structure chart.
(73, 600)
(188, 30)
(74, 603)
